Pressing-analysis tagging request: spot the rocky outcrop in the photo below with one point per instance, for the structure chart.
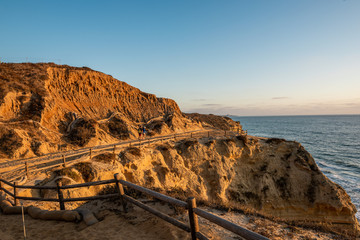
(214, 121)
(271, 177)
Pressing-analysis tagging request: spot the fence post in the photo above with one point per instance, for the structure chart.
(194, 224)
(208, 133)
(90, 154)
(16, 201)
(27, 169)
(190, 135)
(120, 190)
(64, 161)
(60, 195)
(114, 154)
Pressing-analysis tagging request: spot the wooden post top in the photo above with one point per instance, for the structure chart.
(117, 176)
(58, 182)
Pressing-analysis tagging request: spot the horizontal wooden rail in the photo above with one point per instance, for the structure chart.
(38, 199)
(98, 197)
(7, 183)
(247, 234)
(11, 194)
(35, 187)
(88, 184)
(155, 194)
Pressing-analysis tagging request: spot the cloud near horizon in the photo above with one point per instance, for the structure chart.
(314, 108)
(279, 98)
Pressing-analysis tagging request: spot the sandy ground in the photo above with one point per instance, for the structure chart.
(139, 224)
(114, 225)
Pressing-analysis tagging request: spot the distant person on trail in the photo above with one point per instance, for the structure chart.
(140, 132)
(144, 131)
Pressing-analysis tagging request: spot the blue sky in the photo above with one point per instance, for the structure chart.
(241, 57)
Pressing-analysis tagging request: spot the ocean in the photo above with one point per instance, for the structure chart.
(333, 141)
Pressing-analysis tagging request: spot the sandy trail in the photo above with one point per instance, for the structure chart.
(115, 225)
(139, 224)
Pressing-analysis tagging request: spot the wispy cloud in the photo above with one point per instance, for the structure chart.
(347, 106)
(279, 98)
(211, 105)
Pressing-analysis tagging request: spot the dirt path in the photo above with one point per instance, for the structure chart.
(114, 226)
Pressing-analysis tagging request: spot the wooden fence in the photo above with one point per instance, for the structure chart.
(190, 205)
(36, 164)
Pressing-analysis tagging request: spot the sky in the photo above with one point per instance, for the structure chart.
(237, 57)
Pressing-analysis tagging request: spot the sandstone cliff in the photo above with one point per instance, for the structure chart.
(271, 177)
(47, 107)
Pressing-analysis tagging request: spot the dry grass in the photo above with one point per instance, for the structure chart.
(117, 128)
(104, 158)
(242, 138)
(10, 141)
(275, 140)
(24, 77)
(69, 172)
(134, 151)
(86, 170)
(82, 132)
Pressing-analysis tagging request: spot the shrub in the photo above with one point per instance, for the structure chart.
(82, 132)
(275, 140)
(86, 170)
(68, 172)
(134, 151)
(118, 128)
(10, 141)
(104, 158)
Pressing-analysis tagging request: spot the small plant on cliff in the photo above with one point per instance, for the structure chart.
(118, 128)
(242, 138)
(82, 132)
(34, 109)
(104, 158)
(86, 171)
(134, 151)
(275, 140)
(10, 141)
(69, 172)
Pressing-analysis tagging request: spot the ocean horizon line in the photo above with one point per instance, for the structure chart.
(300, 115)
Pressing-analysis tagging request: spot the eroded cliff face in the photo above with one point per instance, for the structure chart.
(55, 107)
(273, 177)
(96, 95)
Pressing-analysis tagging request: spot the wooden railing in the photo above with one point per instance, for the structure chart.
(36, 164)
(190, 205)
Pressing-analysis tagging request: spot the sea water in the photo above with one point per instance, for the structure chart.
(333, 141)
